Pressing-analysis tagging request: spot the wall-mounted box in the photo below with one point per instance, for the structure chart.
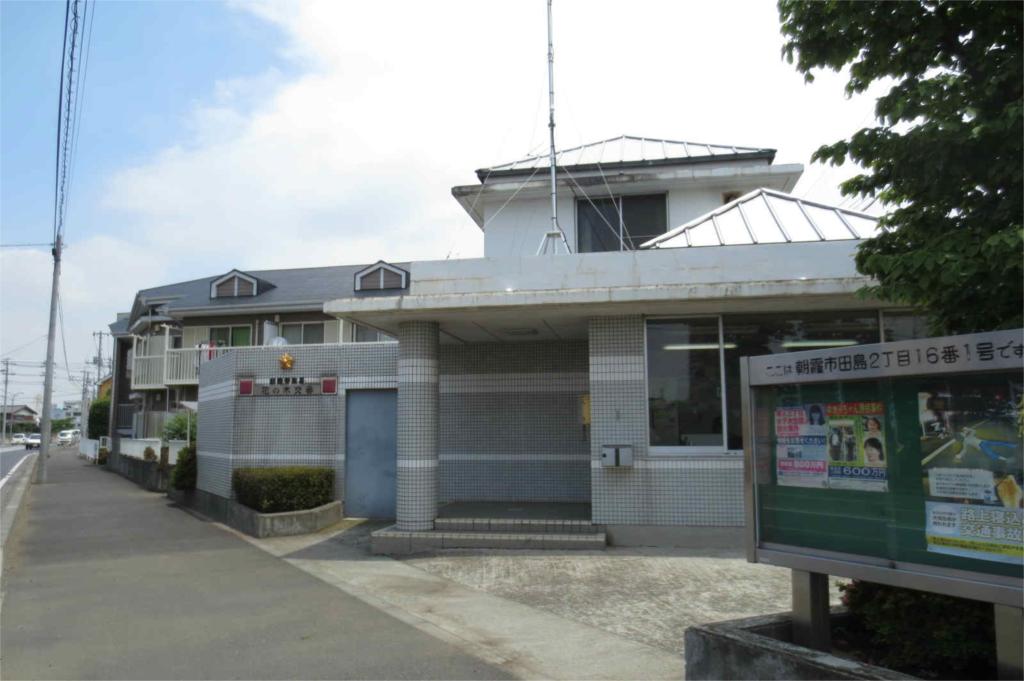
(616, 455)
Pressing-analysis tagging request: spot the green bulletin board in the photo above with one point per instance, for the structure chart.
(916, 469)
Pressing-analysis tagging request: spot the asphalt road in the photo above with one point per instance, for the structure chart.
(105, 580)
(9, 458)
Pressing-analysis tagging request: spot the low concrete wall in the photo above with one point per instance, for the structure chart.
(148, 474)
(760, 648)
(257, 524)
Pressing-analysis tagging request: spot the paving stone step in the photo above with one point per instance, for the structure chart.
(392, 541)
(517, 525)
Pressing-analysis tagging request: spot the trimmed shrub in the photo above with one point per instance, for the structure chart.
(149, 454)
(183, 476)
(287, 488)
(99, 419)
(922, 633)
(101, 456)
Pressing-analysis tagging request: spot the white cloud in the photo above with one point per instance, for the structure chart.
(352, 159)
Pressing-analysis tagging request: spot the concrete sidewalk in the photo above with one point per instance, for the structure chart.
(104, 580)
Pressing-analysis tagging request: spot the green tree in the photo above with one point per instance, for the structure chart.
(57, 425)
(99, 419)
(946, 154)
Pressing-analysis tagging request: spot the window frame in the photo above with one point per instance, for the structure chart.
(230, 328)
(302, 331)
(620, 211)
(689, 450)
(236, 275)
(706, 450)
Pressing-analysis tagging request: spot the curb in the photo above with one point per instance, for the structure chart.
(12, 496)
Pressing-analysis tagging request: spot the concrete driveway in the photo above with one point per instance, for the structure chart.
(647, 595)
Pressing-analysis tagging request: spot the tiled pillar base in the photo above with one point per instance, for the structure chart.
(417, 426)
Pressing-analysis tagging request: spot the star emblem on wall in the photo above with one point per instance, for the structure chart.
(286, 361)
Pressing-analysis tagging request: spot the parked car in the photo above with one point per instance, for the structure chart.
(68, 437)
(18, 439)
(33, 441)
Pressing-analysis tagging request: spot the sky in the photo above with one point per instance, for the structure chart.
(259, 135)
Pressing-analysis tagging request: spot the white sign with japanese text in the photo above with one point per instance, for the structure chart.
(949, 354)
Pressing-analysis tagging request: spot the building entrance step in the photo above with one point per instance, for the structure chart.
(395, 542)
(517, 525)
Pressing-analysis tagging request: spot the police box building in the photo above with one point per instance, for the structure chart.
(562, 393)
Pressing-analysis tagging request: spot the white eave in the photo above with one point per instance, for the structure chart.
(661, 178)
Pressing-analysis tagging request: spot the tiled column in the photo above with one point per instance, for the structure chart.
(417, 425)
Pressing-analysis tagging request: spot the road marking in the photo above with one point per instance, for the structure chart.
(10, 473)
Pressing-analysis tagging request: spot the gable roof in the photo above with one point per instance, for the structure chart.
(629, 151)
(305, 288)
(15, 408)
(768, 216)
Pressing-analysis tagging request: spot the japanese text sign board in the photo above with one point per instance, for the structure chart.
(899, 463)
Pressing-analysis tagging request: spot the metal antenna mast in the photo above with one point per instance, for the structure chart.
(555, 235)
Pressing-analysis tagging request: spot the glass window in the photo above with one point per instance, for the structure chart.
(643, 218)
(241, 335)
(768, 334)
(365, 335)
(597, 223)
(292, 333)
(220, 336)
(684, 383)
(622, 222)
(312, 333)
(901, 326)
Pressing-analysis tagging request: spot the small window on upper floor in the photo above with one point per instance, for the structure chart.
(233, 285)
(620, 223)
(381, 277)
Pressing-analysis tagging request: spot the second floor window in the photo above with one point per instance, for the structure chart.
(233, 336)
(620, 223)
(303, 334)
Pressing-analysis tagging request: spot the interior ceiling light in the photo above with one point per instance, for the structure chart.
(697, 346)
(818, 343)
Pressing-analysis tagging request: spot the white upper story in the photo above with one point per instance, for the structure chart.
(615, 194)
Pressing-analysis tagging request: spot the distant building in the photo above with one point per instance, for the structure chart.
(104, 387)
(20, 414)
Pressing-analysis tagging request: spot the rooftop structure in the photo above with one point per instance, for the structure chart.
(628, 151)
(766, 216)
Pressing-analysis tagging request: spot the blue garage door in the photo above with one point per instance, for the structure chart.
(371, 418)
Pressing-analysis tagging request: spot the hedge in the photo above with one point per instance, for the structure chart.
(287, 488)
(183, 476)
(920, 633)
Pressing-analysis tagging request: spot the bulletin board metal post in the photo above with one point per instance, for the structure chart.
(797, 488)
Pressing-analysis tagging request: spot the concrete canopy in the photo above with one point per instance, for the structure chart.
(553, 297)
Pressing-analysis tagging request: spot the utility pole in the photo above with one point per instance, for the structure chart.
(45, 426)
(85, 396)
(6, 372)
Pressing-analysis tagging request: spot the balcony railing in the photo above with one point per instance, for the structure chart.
(148, 372)
(182, 366)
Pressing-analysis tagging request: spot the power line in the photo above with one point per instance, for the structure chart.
(22, 347)
(63, 342)
(60, 114)
(80, 92)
